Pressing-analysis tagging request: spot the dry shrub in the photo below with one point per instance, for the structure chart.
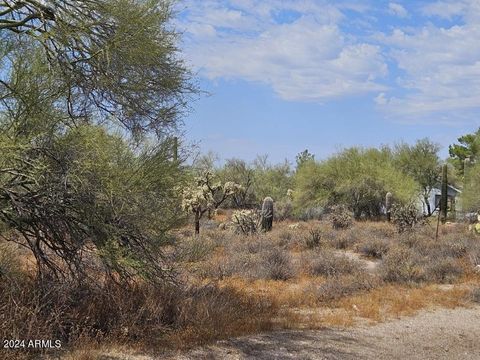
(476, 295)
(326, 263)
(382, 230)
(10, 264)
(285, 236)
(255, 258)
(69, 312)
(210, 312)
(342, 240)
(256, 245)
(341, 218)
(102, 311)
(313, 239)
(243, 264)
(402, 264)
(340, 287)
(194, 249)
(277, 265)
(373, 247)
(443, 270)
(474, 255)
(135, 314)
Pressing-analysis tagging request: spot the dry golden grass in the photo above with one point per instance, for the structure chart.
(282, 293)
(298, 300)
(229, 291)
(382, 304)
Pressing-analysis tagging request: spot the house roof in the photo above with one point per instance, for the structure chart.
(450, 188)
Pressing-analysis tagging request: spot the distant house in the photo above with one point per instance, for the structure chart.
(453, 203)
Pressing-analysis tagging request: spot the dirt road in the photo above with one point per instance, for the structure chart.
(440, 334)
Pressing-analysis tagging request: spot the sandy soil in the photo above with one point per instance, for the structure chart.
(441, 334)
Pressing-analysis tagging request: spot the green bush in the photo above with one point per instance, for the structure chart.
(356, 178)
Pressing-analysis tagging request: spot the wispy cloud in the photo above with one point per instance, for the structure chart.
(308, 50)
(296, 47)
(441, 66)
(397, 10)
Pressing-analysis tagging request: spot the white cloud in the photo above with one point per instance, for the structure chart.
(307, 59)
(303, 51)
(397, 10)
(446, 9)
(441, 66)
(381, 99)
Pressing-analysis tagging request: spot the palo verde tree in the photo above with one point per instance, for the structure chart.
(115, 65)
(74, 76)
(355, 178)
(86, 192)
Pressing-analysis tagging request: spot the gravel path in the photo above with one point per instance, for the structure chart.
(442, 334)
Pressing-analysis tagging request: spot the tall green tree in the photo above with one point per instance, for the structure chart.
(87, 92)
(468, 147)
(421, 162)
(304, 157)
(470, 195)
(116, 60)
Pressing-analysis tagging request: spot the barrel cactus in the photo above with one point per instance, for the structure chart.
(267, 214)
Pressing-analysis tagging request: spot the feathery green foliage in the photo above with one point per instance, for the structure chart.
(357, 178)
(86, 175)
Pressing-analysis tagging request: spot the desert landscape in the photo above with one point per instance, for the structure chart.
(239, 179)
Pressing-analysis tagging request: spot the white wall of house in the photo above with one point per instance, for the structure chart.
(434, 199)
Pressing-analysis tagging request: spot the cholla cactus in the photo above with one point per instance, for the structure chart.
(206, 195)
(406, 217)
(341, 217)
(231, 188)
(246, 222)
(290, 194)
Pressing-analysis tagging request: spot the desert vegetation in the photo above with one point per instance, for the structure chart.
(111, 236)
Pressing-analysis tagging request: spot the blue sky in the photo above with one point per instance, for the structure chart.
(288, 75)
